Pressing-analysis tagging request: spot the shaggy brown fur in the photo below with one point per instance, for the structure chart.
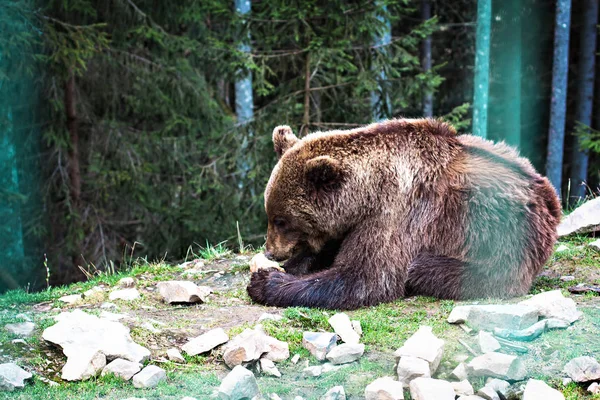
(402, 207)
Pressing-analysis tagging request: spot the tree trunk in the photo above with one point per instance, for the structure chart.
(558, 105)
(482, 67)
(381, 42)
(426, 58)
(585, 95)
(306, 119)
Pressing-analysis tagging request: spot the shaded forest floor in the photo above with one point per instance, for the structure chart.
(159, 326)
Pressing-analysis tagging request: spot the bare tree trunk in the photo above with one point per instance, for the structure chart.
(426, 59)
(306, 120)
(74, 169)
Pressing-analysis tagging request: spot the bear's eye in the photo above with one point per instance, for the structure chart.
(279, 222)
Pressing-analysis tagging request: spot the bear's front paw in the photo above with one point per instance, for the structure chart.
(263, 285)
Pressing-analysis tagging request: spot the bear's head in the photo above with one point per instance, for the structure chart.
(303, 196)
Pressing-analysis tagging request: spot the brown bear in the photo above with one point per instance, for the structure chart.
(401, 207)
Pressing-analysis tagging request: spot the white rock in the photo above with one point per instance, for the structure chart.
(149, 377)
(12, 377)
(459, 314)
(328, 367)
(274, 396)
(122, 368)
(410, 368)
(21, 328)
(488, 393)
(238, 384)
(487, 342)
(508, 316)
(259, 261)
(498, 385)
(497, 365)
(319, 343)
(385, 388)
(346, 353)
(341, 325)
(71, 299)
(174, 355)
(78, 330)
(205, 342)
(431, 389)
(335, 393)
(295, 359)
(83, 364)
(108, 305)
(356, 326)
(124, 294)
(425, 345)
(583, 369)
(269, 317)
(594, 388)
(567, 278)
(585, 218)
(539, 390)
(269, 367)
(126, 282)
(462, 388)
(561, 248)
(595, 245)
(460, 372)
(249, 345)
(183, 292)
(523, 335)
(555, 323)
(278, 350)
(313, 371)
(553, 304)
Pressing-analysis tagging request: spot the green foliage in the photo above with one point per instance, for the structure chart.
(590, 138)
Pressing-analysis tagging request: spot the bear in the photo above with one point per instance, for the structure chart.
(399, 208)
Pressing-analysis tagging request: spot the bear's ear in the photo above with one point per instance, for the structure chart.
(324, 173)
(283, 139)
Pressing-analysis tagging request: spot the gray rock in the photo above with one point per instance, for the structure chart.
(126, 282)
(498, 385)
(21, 328)
(328, 367)
(124, 294)
(183, 292)
(313, 372)
(594, 388)
(585, 218)
(319, 343)
(460, 372)
(459, 314)
(239, 384)
(251, 344)
(385, 388)
(583, 369)
(149, 377)
(462, 388)
(497, 365)
(71, 299)
(539, 390)
(410, 368)
(561, 248)
(174, 355)
(342, 325)
(431, 389)
(555, 323)
(83, 364)
(78, 330)
(553, 304)
(523, 335)
(205, 342)
(508, 316)
(346, 353)
(488, 393)
(122, 368)
(278, 350)
(335, 393)
(595, 245)
(567, 278)
(295, 359)
(487, 342)
(95, 292)
(12, 377)
(356, 326)
(269, 368)
(425, 345)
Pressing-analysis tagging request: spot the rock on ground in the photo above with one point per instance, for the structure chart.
(431, 389)
(488, 393)
(523, 335)
(498, 385)
(83, 364)
(346, 353)
(460, 372)
(508, 316)
(259, 261)
(78, 330)
(335, 393)
(183, 292)
(149, 377)
(585, 218)
(594, 388)
(124, 294)
(269, 317)
(342, 325)
(319, 343)
(21, 328)
(122, 368)
(385, 388)
(12, 377)
(425, 345)
(205, 342)
(410, 368)
(553, 304)
(583, 369)
(459, 315)
(238, 384)
(251, 344)
(497, 365)
(269, 368)
(487, 342)
(357, 327)
(126, 282)
(174, 355)
(595, 245)
(71, 299)
(539, 390)
(313, 371)
(462, 388)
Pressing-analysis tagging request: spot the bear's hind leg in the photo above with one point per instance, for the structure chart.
(436, 276)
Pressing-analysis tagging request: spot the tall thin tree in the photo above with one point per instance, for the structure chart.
(558, 105)
(426, 59)
(379, 102)
(585, 94)
(482, 67)
(244, 102)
